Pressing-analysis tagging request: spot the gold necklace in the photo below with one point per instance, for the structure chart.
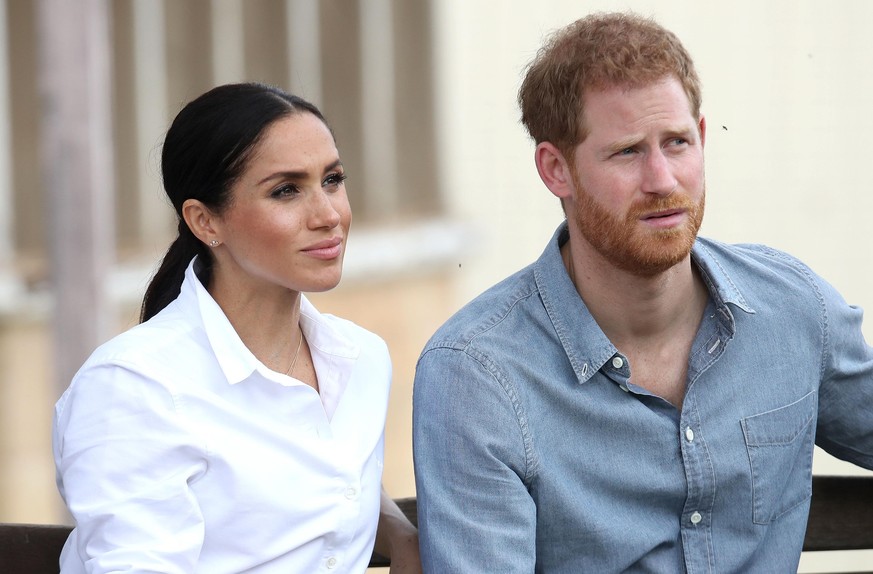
(296, 354)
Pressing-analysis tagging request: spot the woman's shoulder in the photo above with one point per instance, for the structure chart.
(352, 330)
(342, 329)
(151, 345)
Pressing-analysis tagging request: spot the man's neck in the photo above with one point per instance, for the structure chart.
(651, 320)
(630, 307)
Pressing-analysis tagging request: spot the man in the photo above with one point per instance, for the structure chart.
(638, 399)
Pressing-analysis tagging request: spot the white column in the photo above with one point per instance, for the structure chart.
(304, 49)
(377, 105)
(10, 285)
(228, 42)
(152, 117)
(75, 92)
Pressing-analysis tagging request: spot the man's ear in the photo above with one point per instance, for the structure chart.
(702, 127)
(554, 170)
(202, 222)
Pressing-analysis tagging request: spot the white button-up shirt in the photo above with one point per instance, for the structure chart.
(179, 451)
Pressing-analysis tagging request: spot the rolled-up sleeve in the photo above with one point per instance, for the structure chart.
(473, 466)
(125, 462)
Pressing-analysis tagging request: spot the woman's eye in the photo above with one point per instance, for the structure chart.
(284, 190)
(334, 180)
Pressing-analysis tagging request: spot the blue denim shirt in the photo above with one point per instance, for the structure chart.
(535, 452)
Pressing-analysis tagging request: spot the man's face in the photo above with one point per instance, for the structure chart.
(638, 177)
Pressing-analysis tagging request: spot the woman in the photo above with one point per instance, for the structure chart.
(236, 429)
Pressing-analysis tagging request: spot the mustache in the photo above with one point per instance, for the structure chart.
(660, 203)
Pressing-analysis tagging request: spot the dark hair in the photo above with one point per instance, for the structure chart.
(205, 150)
(599, 51)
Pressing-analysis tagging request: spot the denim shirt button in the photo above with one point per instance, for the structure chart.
(689, 434)
(696, 518)
(617, 362)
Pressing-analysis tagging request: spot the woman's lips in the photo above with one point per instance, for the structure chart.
(327, 249)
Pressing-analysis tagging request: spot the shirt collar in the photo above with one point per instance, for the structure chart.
(235, 359)
(721, 287)
(586, 345)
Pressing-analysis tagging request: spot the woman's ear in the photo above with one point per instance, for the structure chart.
(202, 222)
(554, 170)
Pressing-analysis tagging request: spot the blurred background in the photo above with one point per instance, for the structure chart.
(421, 95)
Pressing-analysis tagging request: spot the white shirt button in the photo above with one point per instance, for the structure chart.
(331, 563)
(696, 518)
(617, 362)
(689, 434)
(351, 493)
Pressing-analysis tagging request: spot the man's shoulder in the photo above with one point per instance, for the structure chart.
(756, 270)
(748, 258)
(487, 312)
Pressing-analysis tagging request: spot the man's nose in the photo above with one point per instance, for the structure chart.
(658, 177)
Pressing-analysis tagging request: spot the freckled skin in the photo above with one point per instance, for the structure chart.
(290, 198)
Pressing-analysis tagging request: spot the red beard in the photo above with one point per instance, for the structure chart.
(626, 244)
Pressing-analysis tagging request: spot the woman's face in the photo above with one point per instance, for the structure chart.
(288, 218)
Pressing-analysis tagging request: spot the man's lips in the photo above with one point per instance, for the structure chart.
(664, 213)
(664, 218)
(327, 249)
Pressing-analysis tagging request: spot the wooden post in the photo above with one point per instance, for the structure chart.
(11, 287)
(77, 172)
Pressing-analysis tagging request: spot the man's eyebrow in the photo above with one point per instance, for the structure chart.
(299, 174)
(688, 133)
(624, 143)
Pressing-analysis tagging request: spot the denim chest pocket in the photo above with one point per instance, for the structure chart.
(780, 445)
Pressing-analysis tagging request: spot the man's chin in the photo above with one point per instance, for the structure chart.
(656, 256)
(653, 268)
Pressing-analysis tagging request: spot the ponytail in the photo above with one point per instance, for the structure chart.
(167, 281)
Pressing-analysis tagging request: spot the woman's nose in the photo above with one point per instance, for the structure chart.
(323, 212)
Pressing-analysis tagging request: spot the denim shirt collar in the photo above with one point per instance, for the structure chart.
(721, 287)
(585, 343)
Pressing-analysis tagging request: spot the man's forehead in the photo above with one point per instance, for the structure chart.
(617, 99)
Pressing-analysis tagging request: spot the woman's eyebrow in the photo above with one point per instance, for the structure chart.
(298, 174)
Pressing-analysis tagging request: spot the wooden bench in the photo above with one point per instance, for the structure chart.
(36, 548)
(840, 518)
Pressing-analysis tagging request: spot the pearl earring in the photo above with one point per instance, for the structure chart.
(213, 243)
